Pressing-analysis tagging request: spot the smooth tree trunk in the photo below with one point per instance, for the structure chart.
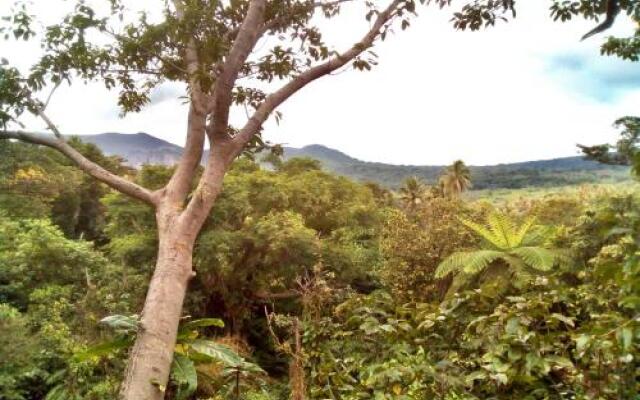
(150, 360)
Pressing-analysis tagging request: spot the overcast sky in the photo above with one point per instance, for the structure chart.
(520, 91)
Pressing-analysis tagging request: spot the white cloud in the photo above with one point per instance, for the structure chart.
(437, 95)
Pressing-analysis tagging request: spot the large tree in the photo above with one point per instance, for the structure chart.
(210, 46)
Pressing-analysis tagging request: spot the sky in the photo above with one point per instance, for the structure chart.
(523, 90)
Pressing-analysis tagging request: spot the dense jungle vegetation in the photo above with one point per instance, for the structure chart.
(312, 286)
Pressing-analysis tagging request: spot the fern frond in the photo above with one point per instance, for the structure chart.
(451, 264)
(477, 261)
(536, 236)
(485, 233)
(503, 227)
(537, 257)
(522, 231)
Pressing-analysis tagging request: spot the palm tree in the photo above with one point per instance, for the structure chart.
(456, 179)
(518, 247)
(412, 192)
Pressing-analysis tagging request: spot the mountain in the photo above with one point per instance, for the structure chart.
(142, 148)
(138, 149)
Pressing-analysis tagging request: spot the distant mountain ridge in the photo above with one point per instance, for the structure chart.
(138, 149)
(142, 148)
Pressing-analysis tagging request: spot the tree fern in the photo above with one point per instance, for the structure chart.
(508, 242)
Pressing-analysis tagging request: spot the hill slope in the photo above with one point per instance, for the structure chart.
(142, 148)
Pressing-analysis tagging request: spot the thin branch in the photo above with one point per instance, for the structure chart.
(46, 103)
(281, 95)
(47, 120)
(116, 182)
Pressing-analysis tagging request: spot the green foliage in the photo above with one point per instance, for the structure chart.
(34, 253)
(519, 247)
(184, 376)
(268, 229)
(572, 333)
(40, 183)
(18, 350)
(569, 332)
(413, 246)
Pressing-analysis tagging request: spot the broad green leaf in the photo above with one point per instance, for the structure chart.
(184, 375)
(215, 351)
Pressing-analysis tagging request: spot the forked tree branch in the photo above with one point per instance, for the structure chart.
(225, 149)
(222, 148)
(116, 182)
(244, 43)
(252, 127)
(180, 183)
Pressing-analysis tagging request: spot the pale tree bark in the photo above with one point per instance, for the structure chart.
(151, 357)
(178, 221)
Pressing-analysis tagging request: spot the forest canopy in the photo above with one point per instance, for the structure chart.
(303, 272)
